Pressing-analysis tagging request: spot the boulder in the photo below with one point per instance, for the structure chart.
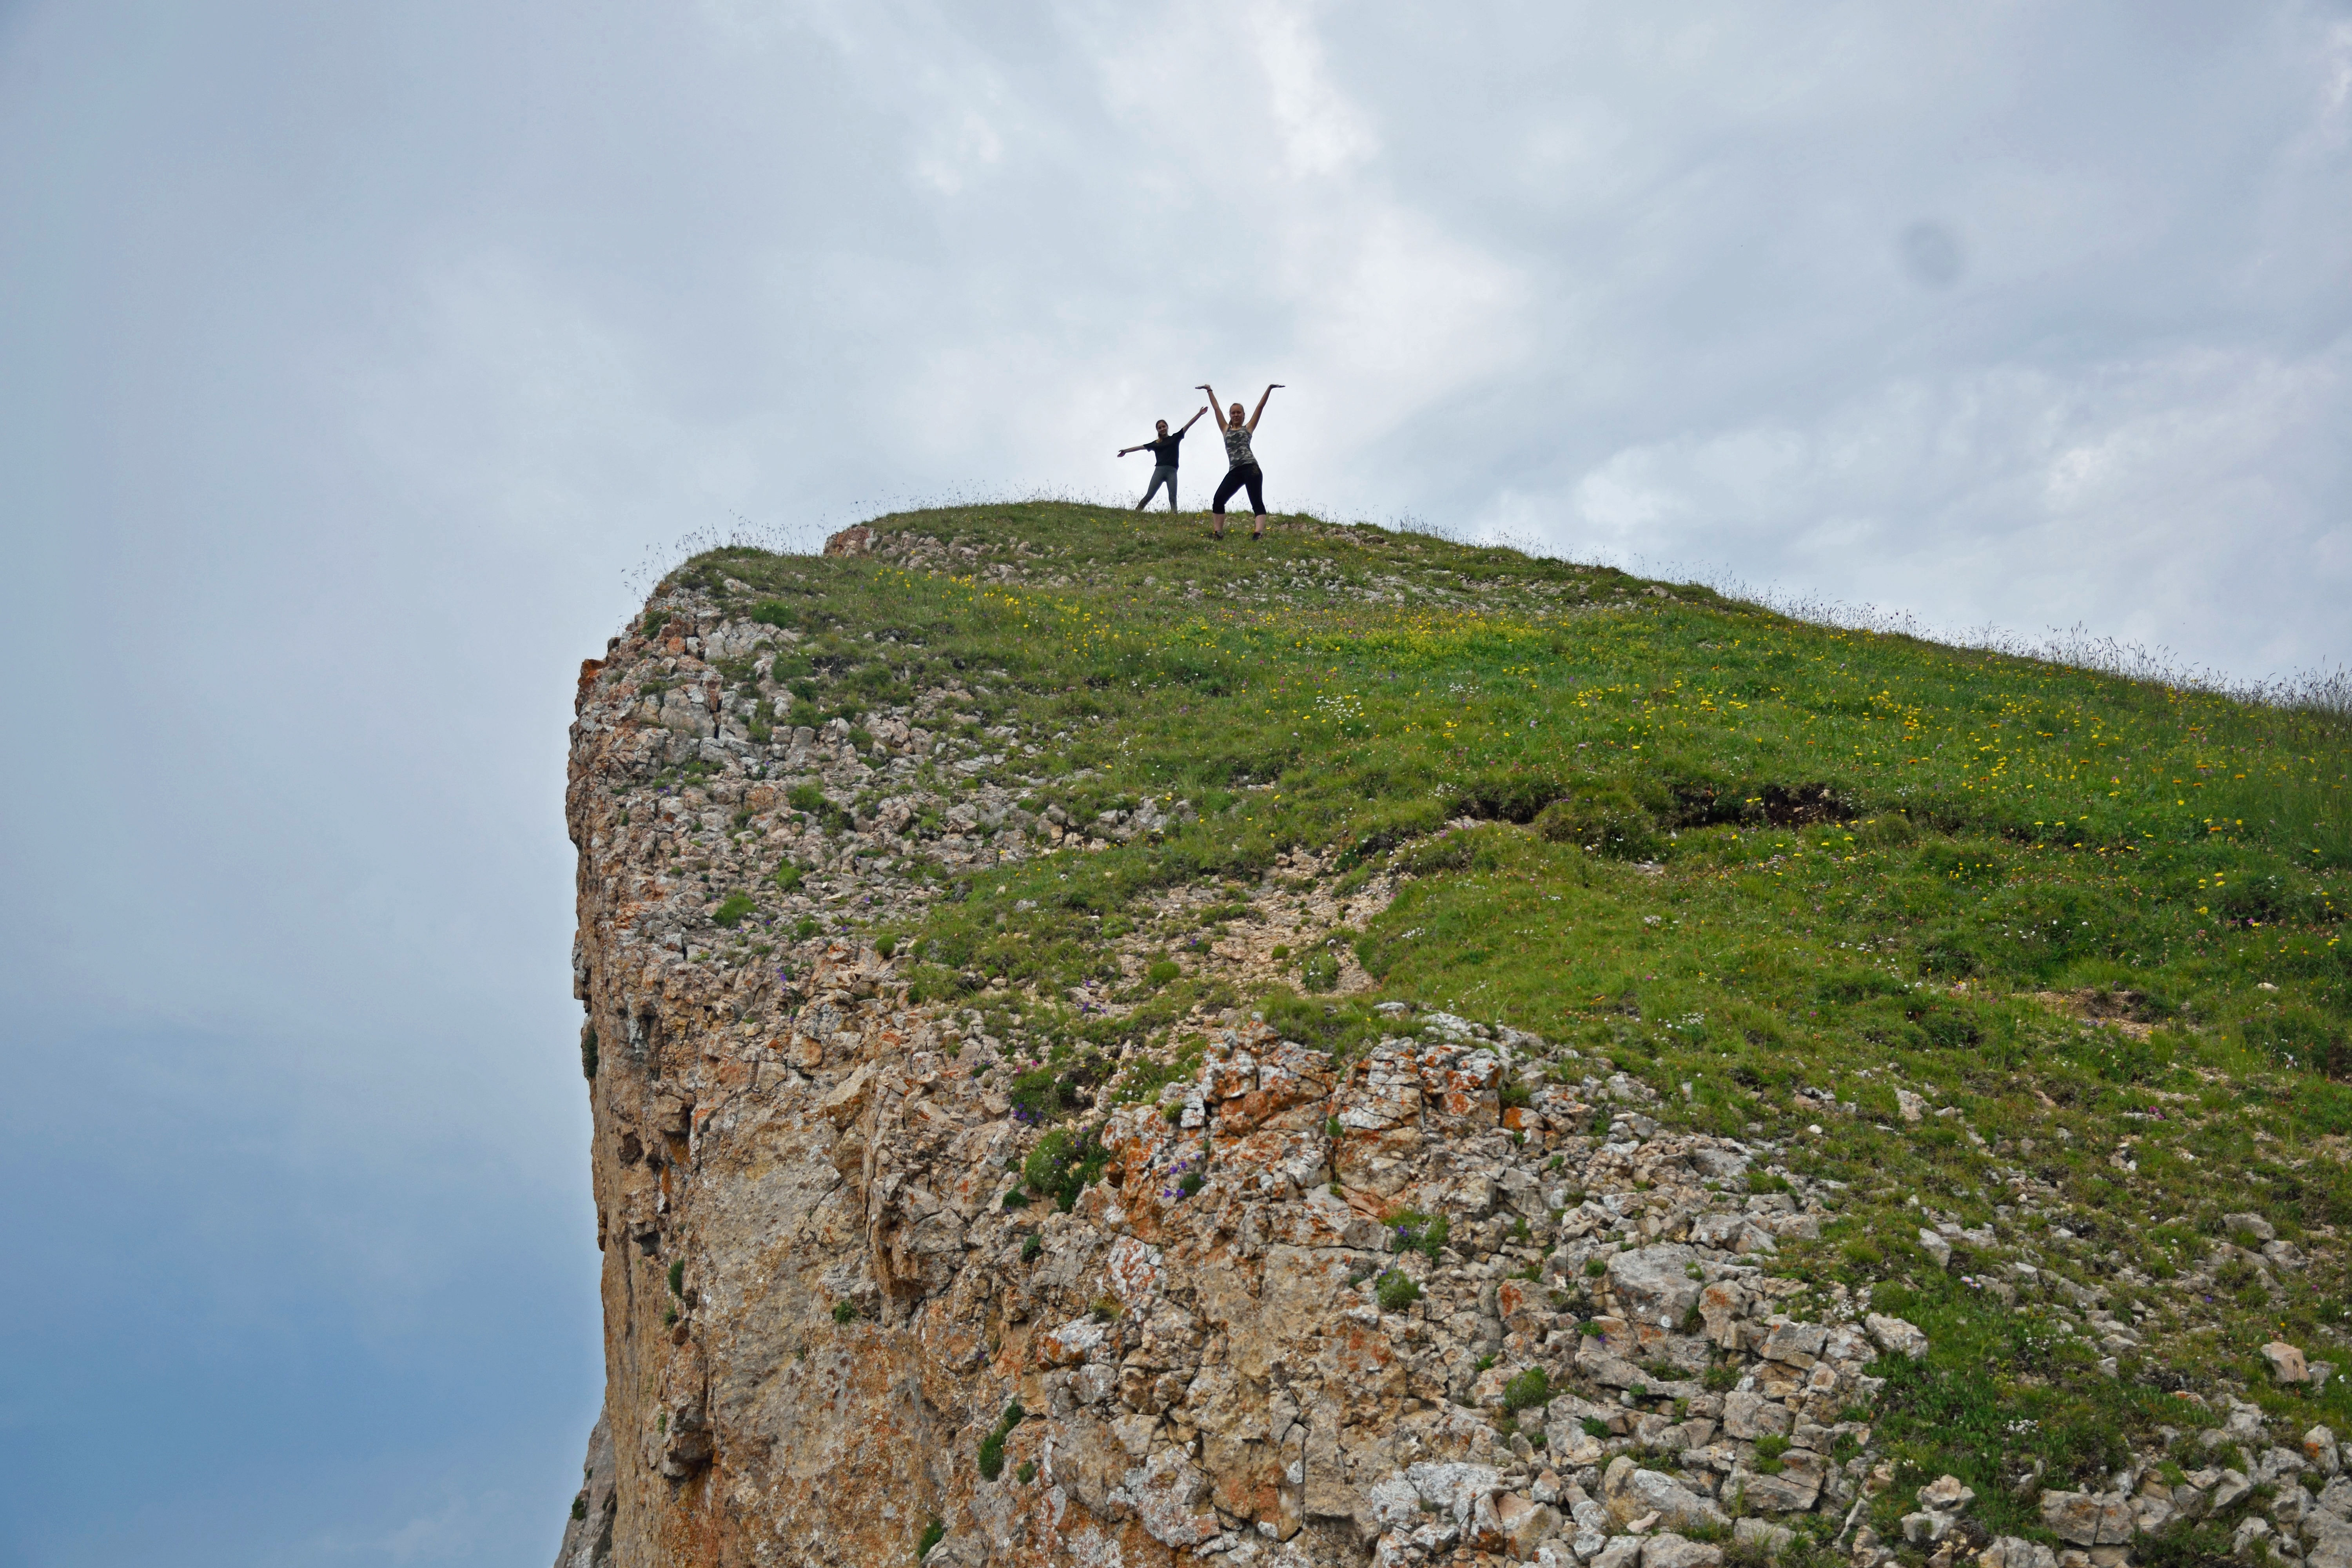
(1629, 1492)
(2287, 1364)
(1524, 1524)
(2088, 1519)
(1793, 1490)
(1720, 1231)
(1794, 1343)
(1718, 1165)
(1609, 1370)
(1483, 1531)
(1896, 1337)
(1667, 1550)
(1654, 1284)
(2278, 1465)
(1747, 1416)
(1572, 1445)
(2016, 1551)
(1453, 1487)
(2328, 1541)
(1946, 1494)
(1719, 1307)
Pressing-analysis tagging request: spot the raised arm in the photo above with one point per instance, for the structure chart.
(1215, 407)
(1192, 421)
(1261, 403)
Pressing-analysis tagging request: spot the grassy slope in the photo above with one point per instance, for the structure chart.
(2003, 829)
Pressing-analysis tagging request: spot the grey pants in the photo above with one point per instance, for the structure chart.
(1163, 475)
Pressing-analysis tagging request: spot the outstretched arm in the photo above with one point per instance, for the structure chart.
(1192, 421)
(1215, 407)
(1261, 403)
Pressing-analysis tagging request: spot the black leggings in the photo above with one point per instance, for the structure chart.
(1249, 475)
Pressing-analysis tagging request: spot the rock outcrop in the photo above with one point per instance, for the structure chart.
(1458, 1292)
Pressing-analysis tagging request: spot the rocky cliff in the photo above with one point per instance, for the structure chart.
(1454, 1291)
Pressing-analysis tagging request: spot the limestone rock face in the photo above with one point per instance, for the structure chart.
(588, 1539)
(835, 1319)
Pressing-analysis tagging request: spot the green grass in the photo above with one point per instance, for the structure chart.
(2042, 824)
(1527, 1390)
(992, 1448)
(1063, 1164)
(1418, 1232)
(1708, 844)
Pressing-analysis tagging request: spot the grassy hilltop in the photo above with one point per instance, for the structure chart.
(2088, 929)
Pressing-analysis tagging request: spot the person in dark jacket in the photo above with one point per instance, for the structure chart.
(1163, 456)
(1241, 464)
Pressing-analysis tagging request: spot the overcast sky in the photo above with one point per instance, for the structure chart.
(356, 361)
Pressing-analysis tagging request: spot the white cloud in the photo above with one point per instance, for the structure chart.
(2145, 497)
(1322, 132)
(2336, 84)
(956, 152)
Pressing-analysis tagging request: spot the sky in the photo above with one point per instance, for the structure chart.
(361, 364)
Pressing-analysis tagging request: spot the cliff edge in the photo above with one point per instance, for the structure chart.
(1173, 1231)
